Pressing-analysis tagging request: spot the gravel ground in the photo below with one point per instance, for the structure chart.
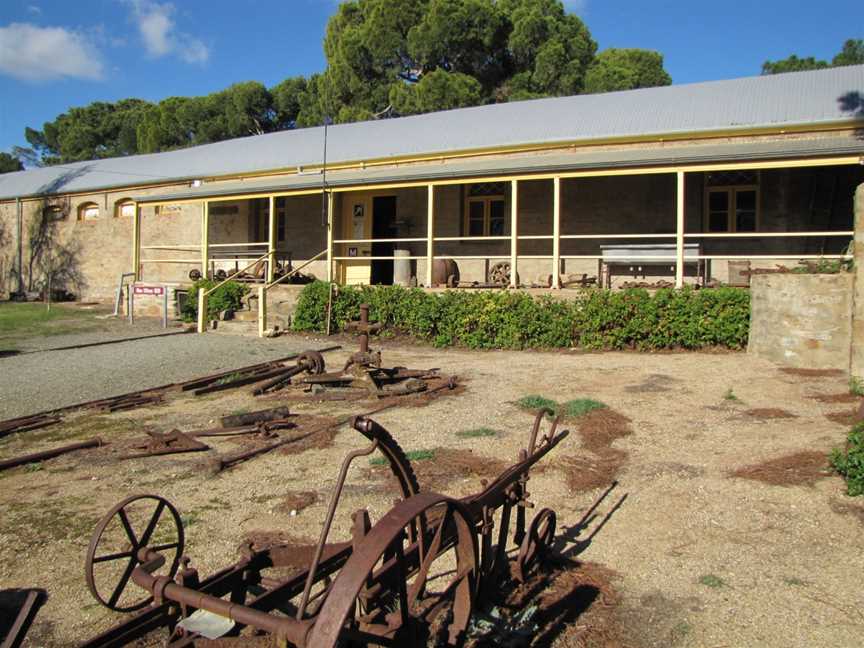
(703, 559)
(33, 382)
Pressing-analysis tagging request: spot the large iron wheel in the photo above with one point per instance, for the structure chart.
(115, 547)
(392, 590)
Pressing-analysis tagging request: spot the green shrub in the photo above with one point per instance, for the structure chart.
(228, 296)
(500, 319)
(849, 462)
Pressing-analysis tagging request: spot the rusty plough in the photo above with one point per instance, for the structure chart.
(416, 574)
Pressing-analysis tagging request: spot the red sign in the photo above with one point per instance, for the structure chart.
(148, 290)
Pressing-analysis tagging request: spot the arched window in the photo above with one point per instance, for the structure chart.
(88, 211)
(124, 208)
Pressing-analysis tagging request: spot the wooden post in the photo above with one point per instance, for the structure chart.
(330, 237)
(262, 310)
(202, 310)
(271, 241)
(679, 232)
(556, 234)
(514, 232)
(430, 233)
(136, 243)
(205, 237)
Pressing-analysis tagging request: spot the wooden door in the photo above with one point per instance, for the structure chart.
(356, 224)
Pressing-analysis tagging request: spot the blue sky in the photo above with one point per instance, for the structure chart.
(60, 53)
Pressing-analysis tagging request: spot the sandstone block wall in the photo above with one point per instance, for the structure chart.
(802, 320)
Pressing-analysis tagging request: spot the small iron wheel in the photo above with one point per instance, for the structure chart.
(536, 544)
(311, 362)
(114, 547)
(194, 274)
(500, 273)
(393, 591)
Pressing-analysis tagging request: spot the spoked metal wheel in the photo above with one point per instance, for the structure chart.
(399, 586)
(136, 522)
(537, 543)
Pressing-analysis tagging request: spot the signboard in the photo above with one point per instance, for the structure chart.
(148, 290)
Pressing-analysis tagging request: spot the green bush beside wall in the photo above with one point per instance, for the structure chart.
(499, 319)
(229, 296)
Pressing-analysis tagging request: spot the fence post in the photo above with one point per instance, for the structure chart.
(202, 310)
(679, 230)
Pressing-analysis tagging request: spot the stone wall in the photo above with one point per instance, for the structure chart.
(102, 248)
(802, 320)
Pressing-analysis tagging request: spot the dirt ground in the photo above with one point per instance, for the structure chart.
(724, 527)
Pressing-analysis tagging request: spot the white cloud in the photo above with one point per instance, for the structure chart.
(34, 9)
(576, 6)
(158, 30)
(32, 53)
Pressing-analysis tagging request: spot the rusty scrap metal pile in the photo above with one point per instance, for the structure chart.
(414, 575)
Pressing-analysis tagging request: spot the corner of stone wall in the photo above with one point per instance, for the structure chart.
(856, 356)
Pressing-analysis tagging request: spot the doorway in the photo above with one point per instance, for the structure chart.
(383, 226)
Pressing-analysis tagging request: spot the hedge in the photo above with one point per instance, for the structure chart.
(499, 319)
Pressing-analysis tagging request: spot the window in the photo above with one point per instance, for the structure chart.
(124, 208)
(732, 201)
(485, 212)
(88, 211)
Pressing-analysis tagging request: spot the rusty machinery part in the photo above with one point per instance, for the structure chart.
(372, 601)
(49, 454)
(499, 273)
(536, 544)
(134, 544)
(194, 274)
(221, 275)
(17, 631)
(172, 442)
(311, 362)
(400, 465)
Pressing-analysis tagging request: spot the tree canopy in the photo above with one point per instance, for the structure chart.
(852, 53)
(385, 58)
(9, 163)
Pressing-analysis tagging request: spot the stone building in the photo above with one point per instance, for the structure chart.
(691, 182)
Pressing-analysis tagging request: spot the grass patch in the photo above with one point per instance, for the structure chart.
(578, 407)
(710, 580)
(849, 462)
(33, 320)
(796, 582)
(535, 402)
(413, 455)
(33, 467)
(476, 432)
(856, 386)
(730, 395)
(570, 409)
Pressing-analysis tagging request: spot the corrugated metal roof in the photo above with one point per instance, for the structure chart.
(754, 102)
(586, 160)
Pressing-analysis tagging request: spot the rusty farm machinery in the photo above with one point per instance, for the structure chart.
(413, 577)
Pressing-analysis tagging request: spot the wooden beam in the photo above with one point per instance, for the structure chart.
(514, 233)
(205, 237)
(136, 243)
(556, 234)
(271, 240)
(430, 233)
(679, 231)
(329, 236)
